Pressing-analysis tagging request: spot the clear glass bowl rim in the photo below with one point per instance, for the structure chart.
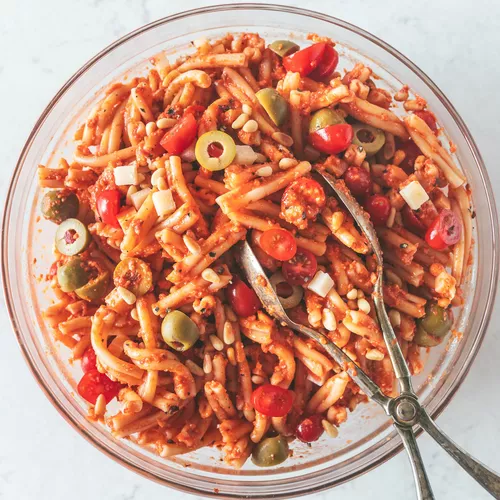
(276, 9)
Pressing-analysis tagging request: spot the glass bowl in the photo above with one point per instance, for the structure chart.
(366, 439)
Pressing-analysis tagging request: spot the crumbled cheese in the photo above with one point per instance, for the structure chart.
(126, 175)
(321, 284)
(414, 194)
(139, 197)
(245, 155)
(164, 202)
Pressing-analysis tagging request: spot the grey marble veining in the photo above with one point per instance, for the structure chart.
(43, 43)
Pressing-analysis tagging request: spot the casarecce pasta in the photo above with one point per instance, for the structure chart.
(172, 169)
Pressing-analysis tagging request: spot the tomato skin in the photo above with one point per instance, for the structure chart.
(94, 383)
(379, 208)
(180, 137)
(428, 118)
(327, 64)
(332, 139)
(306, 60)
(310, 429)
(444, 231)
(278, 243)
(301, 269)
(108, 206)
(272, 400)
(358, 181)
(242, 298)
(411, 151)
(411, 221)
(89, 360)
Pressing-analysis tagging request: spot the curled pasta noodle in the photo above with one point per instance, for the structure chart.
(327, 395)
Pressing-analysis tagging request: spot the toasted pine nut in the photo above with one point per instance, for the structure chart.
(207, 363)
(191, 244)
(230, 313)
(374, 355)
(194, 368)
(352, 294)
(240, 121)
(283, 139)
(210, 275)
(394, 317)
(264, 171)
(150, 128)
(258, 380)
(286, 163)
(164, 123)
(328, 319)
(247, 109)
(231, 356)
(364, 305)
(216, 342)
(330, 429)
(228, 333)
(251, 126)
(157, 175)
(100, 406)
(126, 295)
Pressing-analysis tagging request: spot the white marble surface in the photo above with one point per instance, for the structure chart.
(42, 43)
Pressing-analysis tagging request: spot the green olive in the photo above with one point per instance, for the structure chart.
(60, 205)
(72, 275)
(325, 117)
(274, 104)
(437, 320)
(370, 138)
(270, 451)
(95, 289)
(179, 331)
(134, 275)
(283, 47)
(293, 294)
(72, 237)
(424, 339)
(221, 140)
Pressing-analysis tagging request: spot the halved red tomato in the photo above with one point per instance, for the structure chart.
(278, 243)
(94, 383)
(272, 400)
(178, 138)
(301, 269)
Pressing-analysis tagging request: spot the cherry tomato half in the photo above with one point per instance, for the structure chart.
(89, 360)
(379, 208)
(306, 60)
(428, 118)
(411, 152)
(358, 181)
(278, 243)
(310, 429)
(94, 383)
(242, 298)
(444, 231)
(301, 268)
(327, 64)
(272, 400)
(332, 139)
(179, 137)
(108, 206)
(411, 221)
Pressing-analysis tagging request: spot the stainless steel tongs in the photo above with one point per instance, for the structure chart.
(405, 409)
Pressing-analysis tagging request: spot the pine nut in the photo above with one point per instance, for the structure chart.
(251, 126)
(150, 128)
(133, 314)
(194, 368)
(210, 275)
(374, 355)
(330, 429)
(264, 171)
(231, 356)
(126, 295)
(328, 319)
(258, 380)
(100, 406)
(162, 184)
(229, 337)
(191, 244)
(240, 121)
(164, 123)
(352, 294)
(286, 163)
(247, 109)
(314, 317)
(230, 313)
(394, 317)
(364, 305)
(216, 342)
(157, 175)
(207, 364)
(283, 139)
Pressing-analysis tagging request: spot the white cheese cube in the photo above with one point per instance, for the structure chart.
(245, 155)
(139, 197)
(164, 202)
(414, 194)
(321, 284)
(126, 175)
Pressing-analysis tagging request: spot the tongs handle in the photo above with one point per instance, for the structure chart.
(488, 479)
(424, 490)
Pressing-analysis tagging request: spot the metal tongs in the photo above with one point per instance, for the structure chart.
(405, 409)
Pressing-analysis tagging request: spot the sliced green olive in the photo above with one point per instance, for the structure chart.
(289, 295)
(60, 205)
(179, 331)
(424, 339)
(274, 104)
(370, 138)
(96, 288)
(134, 275)
(283, 47)
(325, 117)
(72, 275)
(270, 451)
(72, 237)
(437, 320)
(220, 140)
